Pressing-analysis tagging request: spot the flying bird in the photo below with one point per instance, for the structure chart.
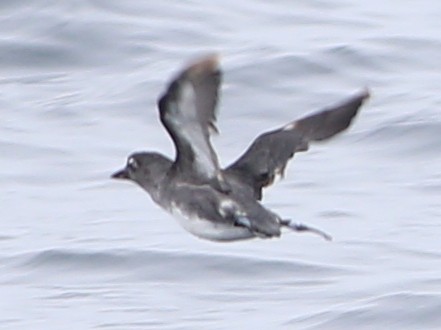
(224, 204)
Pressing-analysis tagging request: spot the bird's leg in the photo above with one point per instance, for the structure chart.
(302, 227)
(243, 221)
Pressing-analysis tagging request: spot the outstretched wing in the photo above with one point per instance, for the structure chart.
(188, 111)
(270, 152)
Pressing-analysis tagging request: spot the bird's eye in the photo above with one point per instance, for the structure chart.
(132, 163)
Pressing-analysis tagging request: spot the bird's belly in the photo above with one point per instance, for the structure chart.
(210, 230)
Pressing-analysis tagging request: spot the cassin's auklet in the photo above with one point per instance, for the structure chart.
(223, 204)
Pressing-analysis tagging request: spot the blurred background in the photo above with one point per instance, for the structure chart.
(78, 88)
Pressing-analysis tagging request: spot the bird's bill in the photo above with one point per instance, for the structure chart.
(121, 174)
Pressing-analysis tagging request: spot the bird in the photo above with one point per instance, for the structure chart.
(225, 204)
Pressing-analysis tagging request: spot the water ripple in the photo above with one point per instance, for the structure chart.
(157, 264)
(382, 312)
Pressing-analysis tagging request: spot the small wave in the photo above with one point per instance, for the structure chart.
(349, 58)
(336, 214)
(410, 138)
(34, 54)
(400, 310)
(26, 150)
(6, 238)
(394, 250)
(394, 51)
(280, 67)
(172, 265)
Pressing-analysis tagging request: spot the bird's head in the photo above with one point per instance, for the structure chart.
(147, 169)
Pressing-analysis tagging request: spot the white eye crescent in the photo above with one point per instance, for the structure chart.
(132, 163)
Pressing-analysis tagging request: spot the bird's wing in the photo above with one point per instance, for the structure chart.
(270, 152)
(188, 111)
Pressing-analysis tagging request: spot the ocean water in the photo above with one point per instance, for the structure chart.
(78, 86)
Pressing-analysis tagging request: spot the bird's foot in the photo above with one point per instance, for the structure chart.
(305, 228)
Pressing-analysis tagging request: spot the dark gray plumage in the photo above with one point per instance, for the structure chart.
(270, 152)
(188, 112)
(215, 204)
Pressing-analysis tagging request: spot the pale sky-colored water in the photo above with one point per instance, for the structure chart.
(78, 90)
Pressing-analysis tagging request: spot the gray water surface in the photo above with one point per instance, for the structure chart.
(78, 86)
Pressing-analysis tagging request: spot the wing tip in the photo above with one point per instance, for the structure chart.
(365, 93)
(208, 63)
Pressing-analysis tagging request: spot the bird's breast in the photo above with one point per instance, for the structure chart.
(209, 229)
